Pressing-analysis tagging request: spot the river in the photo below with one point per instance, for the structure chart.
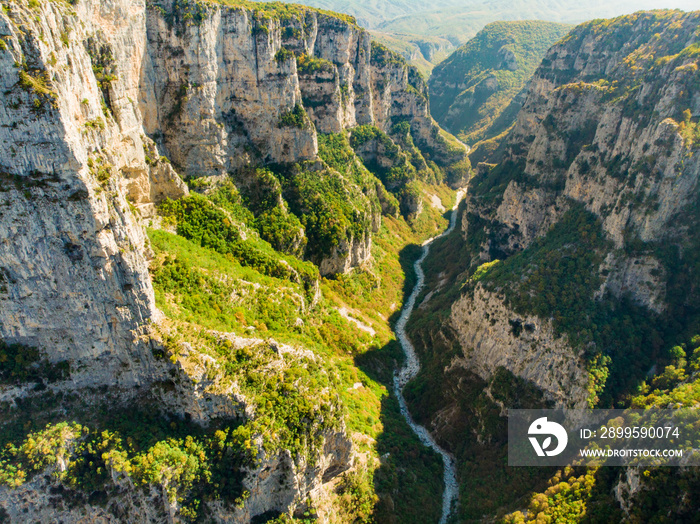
(412, 366)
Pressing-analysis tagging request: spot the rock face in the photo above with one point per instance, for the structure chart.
(620, 151)
(492, 337)
(273, 486)
(103, 106)
(627, 160)
(220, 86)
(605, 132)
(214, 93)
(73, 255)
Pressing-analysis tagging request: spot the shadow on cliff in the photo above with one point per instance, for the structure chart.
(409, 480)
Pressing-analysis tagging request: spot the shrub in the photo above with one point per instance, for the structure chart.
(295, 118)
(307, 65)
(284, 54)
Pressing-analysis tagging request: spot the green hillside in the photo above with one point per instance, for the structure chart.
(473, 92)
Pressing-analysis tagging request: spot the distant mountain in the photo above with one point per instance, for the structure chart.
(474, 92)
(400, 24)
(423, 52)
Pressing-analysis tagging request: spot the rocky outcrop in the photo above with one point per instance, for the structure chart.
(617, 149)
(348, 254)
(73, 255)
(213, 92)
(274, 486)
(577, 309)
(492, 337)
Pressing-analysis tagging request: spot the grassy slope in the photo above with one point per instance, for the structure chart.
(373, 295)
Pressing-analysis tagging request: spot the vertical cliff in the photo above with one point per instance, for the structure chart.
(105, 110)
(574, 271)
(74, 260)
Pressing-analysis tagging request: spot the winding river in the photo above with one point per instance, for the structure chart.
(412, 366)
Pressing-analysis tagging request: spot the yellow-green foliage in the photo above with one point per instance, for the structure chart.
(483, 269)
(580, 496)
(195, 12)
(308, 64)
(37, 82)
(99, 167)
(689, 130)
(563, 501)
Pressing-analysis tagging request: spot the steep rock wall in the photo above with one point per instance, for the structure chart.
(491, 337)
(73, 255)
(608, 130)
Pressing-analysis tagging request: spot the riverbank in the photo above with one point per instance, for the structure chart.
(412, 366)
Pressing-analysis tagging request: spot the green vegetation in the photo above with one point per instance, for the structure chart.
(307, 65)
(586, 495)
(329, 217)
(689, 130)
(90, 465)
(382, 56)
(36, 81)
(555, 278)
(295, 117)
(571, 497)
(186, 13)
(196, 286)
(210, 226)
(104, 67)
(99, 167)
(208, 282)
(284, 54)
(473, 92)
(397, 162)
(422, 52)
(20, 364)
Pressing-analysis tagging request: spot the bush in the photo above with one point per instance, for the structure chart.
(307, 65)
(295, 118)
(282, 230)
(284, 54)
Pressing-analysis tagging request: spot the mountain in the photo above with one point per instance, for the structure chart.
(462, 20)
(402, 25)
(422, 52)
(203, 206)
(475, 91)
(573, 281)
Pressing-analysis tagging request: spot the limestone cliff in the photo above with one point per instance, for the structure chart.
(74, 259)
(574, 270)
(104, 109)
(602, 127)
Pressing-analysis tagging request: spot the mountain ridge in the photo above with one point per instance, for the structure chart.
(575, 234)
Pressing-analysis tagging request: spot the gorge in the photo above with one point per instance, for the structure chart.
(232, 288)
